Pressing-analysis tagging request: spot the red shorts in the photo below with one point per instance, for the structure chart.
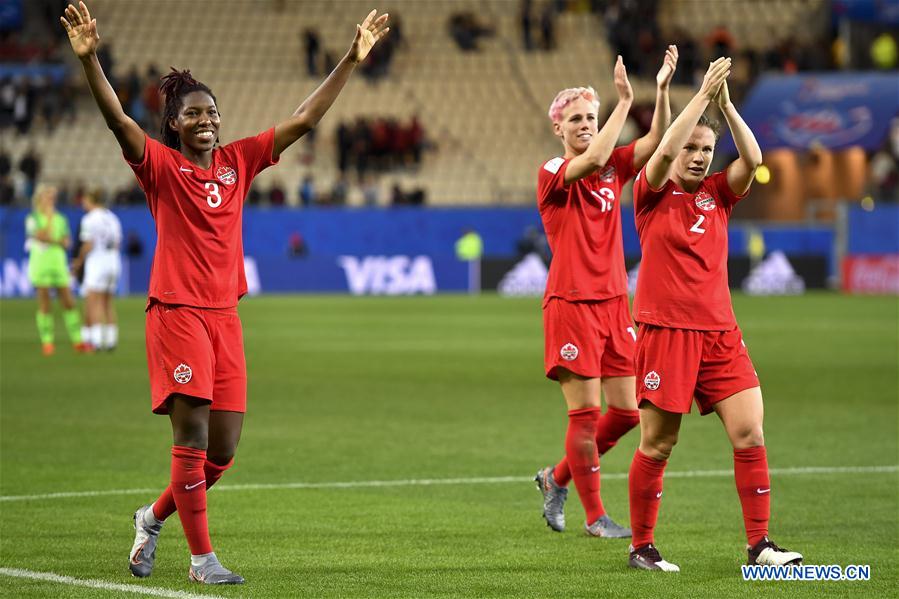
(196, 352)
(592, 338)
(674, 366)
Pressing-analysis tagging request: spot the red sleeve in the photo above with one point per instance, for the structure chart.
(645, 197)
(256, 152)
(147, 170)
(551, 181)
(623, 160)
(724, 193)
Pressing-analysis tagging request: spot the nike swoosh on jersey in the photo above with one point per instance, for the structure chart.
(185, 170)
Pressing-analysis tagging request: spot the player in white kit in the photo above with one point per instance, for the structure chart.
(101, 238)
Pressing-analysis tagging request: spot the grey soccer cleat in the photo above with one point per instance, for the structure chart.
(608, 528)
(647, 557)
(212, 572)
(143, 552)
(554, 498)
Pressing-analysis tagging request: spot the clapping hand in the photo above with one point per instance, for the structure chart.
(663, 79)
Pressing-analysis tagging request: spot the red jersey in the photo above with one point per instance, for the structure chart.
(682, 282)
(582, 221)
(198, 214)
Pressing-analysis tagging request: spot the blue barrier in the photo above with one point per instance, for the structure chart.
(357, 275)
(54, 72)
(332, 232)
(408, 231)
(875, 231)
(384, 244)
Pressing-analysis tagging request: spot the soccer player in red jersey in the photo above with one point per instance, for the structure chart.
(689, 345)
(588, 333)
(195, 191)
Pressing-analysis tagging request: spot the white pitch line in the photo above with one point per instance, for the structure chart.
(425, 482)
(100, 584)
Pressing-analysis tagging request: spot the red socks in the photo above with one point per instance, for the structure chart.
(189, 492)
(754, 489)
(645, 490)
(165, 505)
(580, 449)
(611, 426)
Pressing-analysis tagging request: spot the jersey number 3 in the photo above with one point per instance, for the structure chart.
(696, 228)
(214, 199)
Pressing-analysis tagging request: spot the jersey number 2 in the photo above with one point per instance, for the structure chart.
(214, 199)
(696, 228)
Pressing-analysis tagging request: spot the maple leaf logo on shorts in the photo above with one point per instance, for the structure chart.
(183, 373)
(652, 380)
(568, 352)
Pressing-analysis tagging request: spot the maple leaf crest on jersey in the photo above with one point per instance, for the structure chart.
(704, 201)
(607, 175)
(226, 175)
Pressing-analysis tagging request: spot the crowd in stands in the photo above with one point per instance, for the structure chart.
(319, 60)
(538, 24)
(467, 29)
(35, 100)
(25, 171)
(377, 145)
(370, 149)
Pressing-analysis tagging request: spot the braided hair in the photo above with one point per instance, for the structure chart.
(174, 87)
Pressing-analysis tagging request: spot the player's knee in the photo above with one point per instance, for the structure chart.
(191, 434)
(220, 458)
(748, 436)
(658, 447)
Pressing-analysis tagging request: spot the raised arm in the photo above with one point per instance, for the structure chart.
(83, 36)
(742, 170)
(661, 118)
(597, 153)
(679, 132)
(310, 112)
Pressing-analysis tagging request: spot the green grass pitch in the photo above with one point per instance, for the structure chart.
(382, 389)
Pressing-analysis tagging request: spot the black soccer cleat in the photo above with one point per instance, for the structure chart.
(647, 557)
(766, 553)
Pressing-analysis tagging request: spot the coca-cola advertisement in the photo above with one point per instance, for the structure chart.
(871, 274)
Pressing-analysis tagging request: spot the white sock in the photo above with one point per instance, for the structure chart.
(96, 336)
(150, 518)
(198, 561)
(112, 335)
(85, 334)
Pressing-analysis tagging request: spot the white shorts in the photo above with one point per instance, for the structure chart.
(102, 275)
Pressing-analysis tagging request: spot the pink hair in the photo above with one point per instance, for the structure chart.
(567, 96)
